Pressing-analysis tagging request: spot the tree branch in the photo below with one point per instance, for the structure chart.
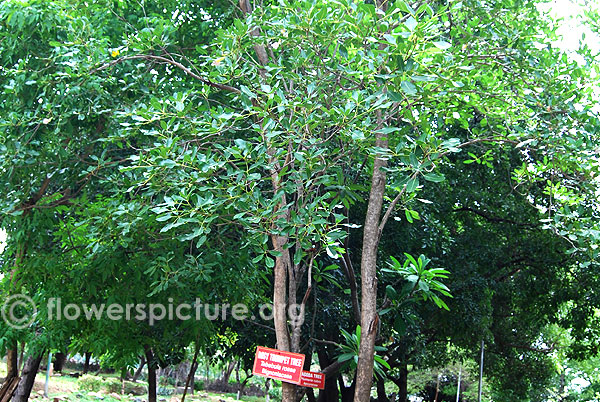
(172, 62)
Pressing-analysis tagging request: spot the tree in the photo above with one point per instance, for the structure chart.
(257, 142)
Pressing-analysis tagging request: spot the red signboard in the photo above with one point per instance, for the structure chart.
(313, 380)
(279, 365)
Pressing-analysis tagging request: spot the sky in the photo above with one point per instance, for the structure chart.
(571, 27)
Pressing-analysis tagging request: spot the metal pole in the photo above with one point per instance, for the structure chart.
(480, 373)
(47, 374)
(458, 388)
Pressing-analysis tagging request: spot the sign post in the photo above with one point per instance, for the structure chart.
(313, 380)
(279, 365)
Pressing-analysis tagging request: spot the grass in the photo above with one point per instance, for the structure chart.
(67, 387)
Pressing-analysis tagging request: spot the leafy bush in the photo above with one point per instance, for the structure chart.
(275, 393)
(164, 391)
(135, 389)
(113, 385)
(198, 385)
(90, 383)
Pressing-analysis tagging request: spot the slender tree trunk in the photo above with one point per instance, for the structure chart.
(86, 365)
(267, 388)
(282, 264)
(227, 372)
(369, 318)
(192, 374)
(381, 395)
(349, 270)
(347, 392)
(402, 383)
(193, 384)
(21, 359)
(138, 372)
(151, 375)
(30, 370)
(331, 391)
(437, 388)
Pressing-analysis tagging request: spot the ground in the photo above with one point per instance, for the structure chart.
(67, 388)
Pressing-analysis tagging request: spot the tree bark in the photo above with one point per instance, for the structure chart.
(12, 364)
(369, 318)
(30, 370)
(151, 374)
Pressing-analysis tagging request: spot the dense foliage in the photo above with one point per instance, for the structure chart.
(418, 177)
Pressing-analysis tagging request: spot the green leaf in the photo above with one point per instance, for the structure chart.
(409, 217)
(246, 91)
(408, 88)
(434, 177)
(390, 39)
(411, 24)
(443, 45)
(412, 185)
(391, 292)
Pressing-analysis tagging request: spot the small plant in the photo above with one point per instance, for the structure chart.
(90, 383)
(275, 393)
(350, 351)
(164, 391)
(113, 386)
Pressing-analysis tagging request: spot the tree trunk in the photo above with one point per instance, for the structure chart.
(12, 364)
(283, 263)
(369, 318)
(227, 372)
(192, 374)
(59, 362)
(331, 391)
(347, 392)
(151, 375)
(402, 383)
(86, 365)
(28, 378)
(267, 388)
(381, 395)
(138, 372)
(437, 388)
(193, 383)
(21, 359)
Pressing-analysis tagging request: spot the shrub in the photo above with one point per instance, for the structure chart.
(90, 383)
(113, 385)
(164, 391)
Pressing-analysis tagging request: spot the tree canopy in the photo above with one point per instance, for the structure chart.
(410, 178)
